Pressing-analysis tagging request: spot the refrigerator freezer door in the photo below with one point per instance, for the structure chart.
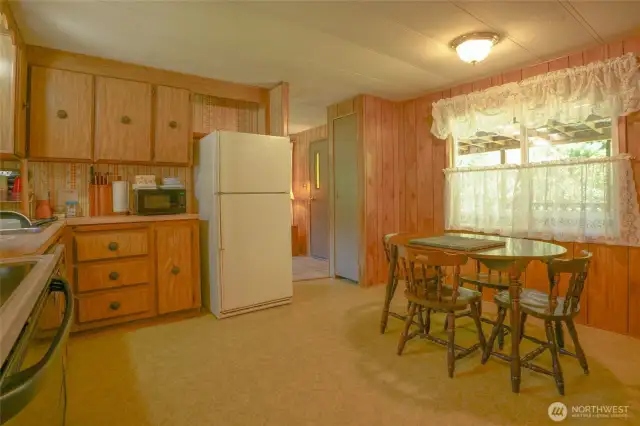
(251, 163)
(255, 250)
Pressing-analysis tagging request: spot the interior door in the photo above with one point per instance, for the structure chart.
(319, 225)
(347, 226)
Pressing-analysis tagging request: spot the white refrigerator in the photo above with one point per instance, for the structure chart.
(242, 184)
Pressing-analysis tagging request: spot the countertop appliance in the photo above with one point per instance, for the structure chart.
(159, 201)
(32, 377)
(242, 187)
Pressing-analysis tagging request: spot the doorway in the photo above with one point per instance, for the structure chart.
(316, 264)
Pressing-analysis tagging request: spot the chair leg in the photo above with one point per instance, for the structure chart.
(576, 343)
(475, 314)
(523, 320)
(480, 289)
(501, 334)
(553, 347)
(559, 334)
(494, 333)
(407, 325)
(427, 321)
(451, 354)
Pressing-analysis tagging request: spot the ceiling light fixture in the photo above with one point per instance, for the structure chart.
(474, 47)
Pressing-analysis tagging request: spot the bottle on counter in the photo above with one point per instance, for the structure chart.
(71, 209)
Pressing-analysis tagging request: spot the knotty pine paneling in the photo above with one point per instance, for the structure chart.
(211, 113)
(301, 181)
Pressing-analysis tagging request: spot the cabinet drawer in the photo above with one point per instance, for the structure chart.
(111, 244)
(116, 273)
(116, 303)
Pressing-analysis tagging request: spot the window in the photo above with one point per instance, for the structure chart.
(510, 187)
(555, 141)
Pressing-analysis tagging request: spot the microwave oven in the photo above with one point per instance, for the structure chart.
(159, 201)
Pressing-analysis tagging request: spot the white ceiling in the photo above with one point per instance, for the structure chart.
(327, 51)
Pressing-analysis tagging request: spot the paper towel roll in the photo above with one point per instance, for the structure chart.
(120, 196)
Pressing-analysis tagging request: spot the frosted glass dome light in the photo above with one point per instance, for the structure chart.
(473, 48)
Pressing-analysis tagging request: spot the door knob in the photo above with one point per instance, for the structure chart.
(312, 198)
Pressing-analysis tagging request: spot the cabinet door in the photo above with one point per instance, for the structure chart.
(61, 114)
(7, 66)
(123, 120)
(173, 124)
(176, 279)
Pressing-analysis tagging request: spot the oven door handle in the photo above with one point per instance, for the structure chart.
(20, 388)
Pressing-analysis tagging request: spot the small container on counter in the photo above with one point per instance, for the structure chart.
(71, 209)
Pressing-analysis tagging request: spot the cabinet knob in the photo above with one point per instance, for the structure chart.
(114, 276)
(113, 246)
(114, 306)
(173, 124)
(175, 270)
(125, 119)
(62, 114)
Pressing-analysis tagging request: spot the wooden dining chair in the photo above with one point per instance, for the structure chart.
(553, 310)
(428, 296)
(395, 243)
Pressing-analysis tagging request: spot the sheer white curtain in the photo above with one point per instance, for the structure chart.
(590, 200)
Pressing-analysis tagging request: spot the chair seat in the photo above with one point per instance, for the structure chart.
(495, 280)
(427, 298)
(535, 303)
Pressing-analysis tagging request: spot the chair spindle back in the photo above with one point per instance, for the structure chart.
(577, 269)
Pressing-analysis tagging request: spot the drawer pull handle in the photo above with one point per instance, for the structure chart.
(114, 306)
(62, 114)
(113, 246)
(173, 124)
(125, 119)
(175, 270)
(114, 276)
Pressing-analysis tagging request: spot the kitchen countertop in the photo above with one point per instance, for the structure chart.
(105, 220)
(34, 244)
(16, 309)
(30, 244)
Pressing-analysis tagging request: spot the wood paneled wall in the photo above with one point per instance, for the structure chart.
(279, 110)
(301, 181)
(211, 113)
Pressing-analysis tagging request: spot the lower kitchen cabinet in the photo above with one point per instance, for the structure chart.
(126, 272)
(178, 281)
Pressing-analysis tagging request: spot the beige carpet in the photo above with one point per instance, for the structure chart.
(321, 361)
(309, 268)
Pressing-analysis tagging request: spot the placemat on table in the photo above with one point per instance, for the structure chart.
(456, 242)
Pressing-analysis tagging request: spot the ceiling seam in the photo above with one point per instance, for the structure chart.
(507, 36)
(569, 7)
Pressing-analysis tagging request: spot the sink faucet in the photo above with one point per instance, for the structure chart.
(7, 215)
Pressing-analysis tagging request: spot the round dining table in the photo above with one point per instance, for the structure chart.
(512, 257)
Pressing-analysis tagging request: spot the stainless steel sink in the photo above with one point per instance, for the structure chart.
(20, 231)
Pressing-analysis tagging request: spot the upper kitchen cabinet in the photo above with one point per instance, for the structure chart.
(7, 68)
(122, 120)
(172, 126)
(61, 114)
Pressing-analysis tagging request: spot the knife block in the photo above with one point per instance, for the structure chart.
(100, 200)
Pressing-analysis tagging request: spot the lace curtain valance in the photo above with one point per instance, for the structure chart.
(604, 88)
